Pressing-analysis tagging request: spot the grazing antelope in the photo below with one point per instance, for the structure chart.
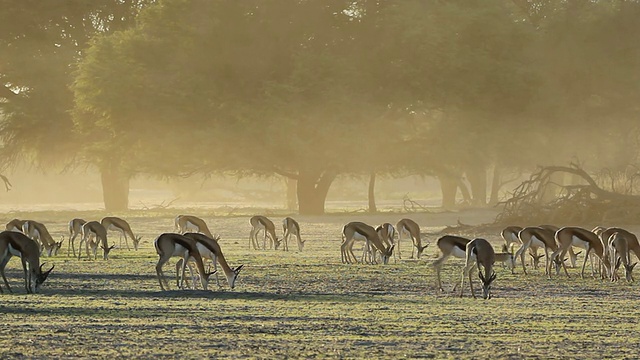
(211, 247)
(89, 230)
(168, 245)
(387, 234)
(632, 239)
(38, 232)
(13, 243)
(511, 239)
(480, 252)
(262, 223)
(123, 227)
(409, 227)
(291, 227)
(15, 225)
(619, 253)
(75, 229)
(539, 237)
(573, 256)
(451, 245)
(583, 238)
(190, 223)
(360, 231)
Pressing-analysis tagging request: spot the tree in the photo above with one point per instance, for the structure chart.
(41, 42)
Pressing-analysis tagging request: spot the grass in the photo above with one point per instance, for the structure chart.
(307, 305)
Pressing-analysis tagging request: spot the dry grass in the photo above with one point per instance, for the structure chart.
(308, 305)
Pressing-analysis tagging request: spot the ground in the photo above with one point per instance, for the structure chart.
(308, 305)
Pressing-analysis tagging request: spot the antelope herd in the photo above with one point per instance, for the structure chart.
(193, 243)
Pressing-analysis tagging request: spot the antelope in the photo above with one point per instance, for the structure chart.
(291, 227)
(123, 227)
(539, 237)
(75, 229)
(387, 234)
(190, 223)
(510, 237)
(360, 231)
(262, 223)
(15, 225)
(89, 230)
(573, 256)
(13, 243)
(211, 247)
(576, 236)
(451, 245)
(409, 227)
(37, 231)
(168, 245)
(632, 239)
(480, 252)
(619, 253)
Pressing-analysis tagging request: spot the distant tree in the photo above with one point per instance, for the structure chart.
(40, 42)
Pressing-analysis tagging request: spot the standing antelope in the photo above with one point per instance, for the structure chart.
(619, 253)
(123, 227)
(168, 245)
(539, 237)
(75, 229)
(13, 243)
(15, 225)
(360, 231)
(387, 234)
(37, 231)
(409, 227)
(291, 227)
(190, 223)
(482, 253)
(576, 236)
(211, 246)
(89, 230)
(451, 245)
(262, 223)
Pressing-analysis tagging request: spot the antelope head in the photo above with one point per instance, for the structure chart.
(136, 242)
(486, 284)
(421, 249)
(277, 242)
(42, 276)
(106, 252)
(386, 255)
(300, 245)
(536, 259)
(234, 276)
(627, 271)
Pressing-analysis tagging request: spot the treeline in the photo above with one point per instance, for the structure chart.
(314, 89)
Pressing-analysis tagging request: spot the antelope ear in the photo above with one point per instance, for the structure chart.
(481, 276)
(618, 262)
(238, 268)
(504, 248)
(633, 265)
(578, 253)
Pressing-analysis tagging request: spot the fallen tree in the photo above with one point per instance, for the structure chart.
(575, 204)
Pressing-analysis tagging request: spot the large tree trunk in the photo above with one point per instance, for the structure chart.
(495, 185)
(449, 187)
(477, 176)
(292, 187)
(313, 187)
(115, 187)
(372, 197)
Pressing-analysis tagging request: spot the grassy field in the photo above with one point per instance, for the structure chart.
(308, 305)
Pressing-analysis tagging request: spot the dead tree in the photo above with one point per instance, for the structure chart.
(587, 203)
